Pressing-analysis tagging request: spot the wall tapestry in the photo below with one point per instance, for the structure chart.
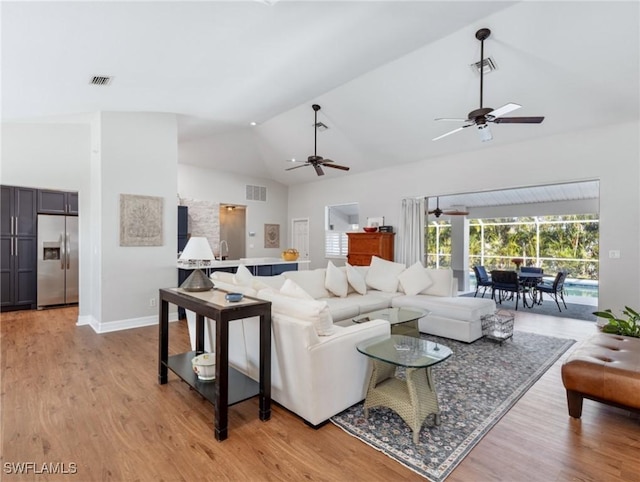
(271, 235)
(140, 220)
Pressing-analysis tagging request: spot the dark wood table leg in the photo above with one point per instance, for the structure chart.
(199, 333)
(163, 338)
(222, 379)
(265, 367)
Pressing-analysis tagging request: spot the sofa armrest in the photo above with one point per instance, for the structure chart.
(337, 373)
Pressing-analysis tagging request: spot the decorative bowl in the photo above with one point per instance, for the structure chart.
(204, 366)
(370, 229)
(290, 254)
(233, 296)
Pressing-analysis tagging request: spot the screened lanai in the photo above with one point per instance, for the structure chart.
(553, 227)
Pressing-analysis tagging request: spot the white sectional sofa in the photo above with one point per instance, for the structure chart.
(316, 370)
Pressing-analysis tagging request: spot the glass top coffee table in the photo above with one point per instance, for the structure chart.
(414, 398)
(404, 321)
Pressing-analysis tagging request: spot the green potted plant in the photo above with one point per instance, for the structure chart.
(619, 326)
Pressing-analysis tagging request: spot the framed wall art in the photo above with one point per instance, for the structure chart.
(140, 220)
(271, 235)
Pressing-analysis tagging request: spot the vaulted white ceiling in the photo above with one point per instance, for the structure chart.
(382, 71)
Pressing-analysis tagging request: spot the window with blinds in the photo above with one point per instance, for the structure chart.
(339, 219)
(336, 244)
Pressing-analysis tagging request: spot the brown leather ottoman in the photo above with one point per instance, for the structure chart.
(605, 368)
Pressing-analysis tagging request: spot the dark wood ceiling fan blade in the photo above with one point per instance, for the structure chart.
(456, 213)
(296, 167)
(335, 166)
(518, 120)
(318, 169)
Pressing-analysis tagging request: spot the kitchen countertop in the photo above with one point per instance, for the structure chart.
(232, 263)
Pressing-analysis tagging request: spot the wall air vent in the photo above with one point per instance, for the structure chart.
(256, 193)
(100, 80)
(488, 65)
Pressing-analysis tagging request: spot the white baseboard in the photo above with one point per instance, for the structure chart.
(118, 325)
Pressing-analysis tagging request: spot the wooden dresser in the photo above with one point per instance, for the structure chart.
(364, 245)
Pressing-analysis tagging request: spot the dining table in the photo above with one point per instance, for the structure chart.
(530, 280)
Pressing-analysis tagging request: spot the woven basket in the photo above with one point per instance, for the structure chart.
(290, 255)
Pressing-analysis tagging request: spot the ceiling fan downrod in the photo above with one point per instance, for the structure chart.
(482, 35)
(315, 108)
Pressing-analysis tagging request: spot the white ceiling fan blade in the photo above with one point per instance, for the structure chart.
(449, 133)
(450, 119)
(505, 109)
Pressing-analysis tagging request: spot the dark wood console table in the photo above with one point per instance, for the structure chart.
(230, 386)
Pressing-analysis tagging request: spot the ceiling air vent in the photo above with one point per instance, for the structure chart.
(256, 193)
(488, 65)
(100, 80)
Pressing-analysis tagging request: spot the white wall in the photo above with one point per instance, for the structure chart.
(138, 155)
(221, 187)
(54, 156)
(607, 154)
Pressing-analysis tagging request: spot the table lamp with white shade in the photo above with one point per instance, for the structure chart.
(198, 250)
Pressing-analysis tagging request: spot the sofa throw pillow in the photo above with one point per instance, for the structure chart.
(349, 287)
(292, 289)
(414, 279)
(356, 280)
(312, 281)
(336, 280)
(243, 276)
(274, 282)
(383, 274)
(442, 281)
(317, 312)
(222, 276)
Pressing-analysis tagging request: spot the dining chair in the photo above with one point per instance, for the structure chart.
(555, 288)
(529, 281)
(506, 285)
(482, 279)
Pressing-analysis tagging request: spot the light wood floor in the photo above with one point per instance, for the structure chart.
(70, 395)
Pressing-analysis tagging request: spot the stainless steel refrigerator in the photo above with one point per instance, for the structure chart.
(57, 260)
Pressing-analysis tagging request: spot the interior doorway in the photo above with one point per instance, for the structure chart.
(233, 220)
(300, 236)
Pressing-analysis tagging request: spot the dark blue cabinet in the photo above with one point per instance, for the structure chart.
(277, 269)
(183, 227)
(18, 238)
(57, 202)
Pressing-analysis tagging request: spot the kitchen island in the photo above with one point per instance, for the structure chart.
(258, 266)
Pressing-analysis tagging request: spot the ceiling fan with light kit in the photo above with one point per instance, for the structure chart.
(484, 115)
(437, 212)
(317, 161)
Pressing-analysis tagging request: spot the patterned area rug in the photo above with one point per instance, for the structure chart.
(476, 386)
